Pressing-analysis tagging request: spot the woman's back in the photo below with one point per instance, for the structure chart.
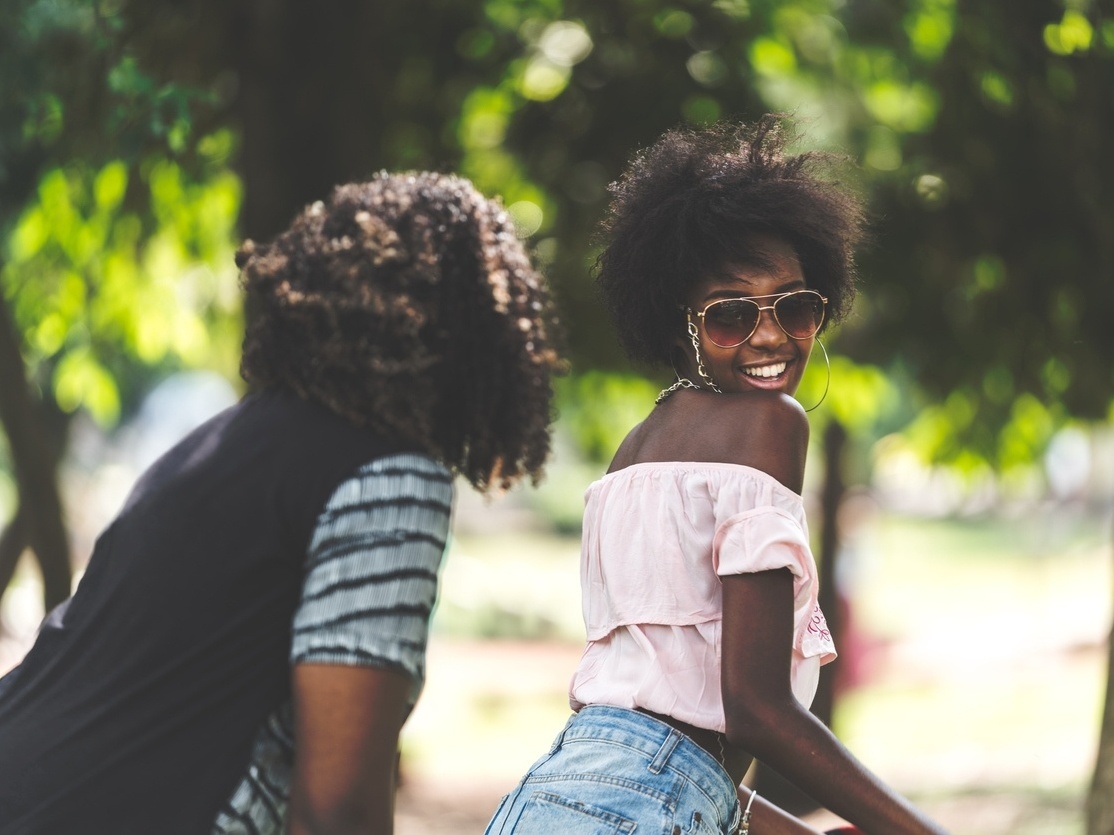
(657, 537)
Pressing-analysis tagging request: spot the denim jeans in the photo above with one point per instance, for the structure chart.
(612, 770)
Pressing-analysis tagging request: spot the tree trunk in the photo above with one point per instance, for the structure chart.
(831, 498)
(13, 542)
(1100, 800)
(766, 781)
(39, 517)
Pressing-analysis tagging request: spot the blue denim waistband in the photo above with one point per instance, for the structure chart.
(662, 744)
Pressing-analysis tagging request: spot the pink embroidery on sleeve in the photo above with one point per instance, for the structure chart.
(818, 625)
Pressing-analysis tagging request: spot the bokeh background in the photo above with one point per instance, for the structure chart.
(961, 481)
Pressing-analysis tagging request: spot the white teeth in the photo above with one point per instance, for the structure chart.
(766, 370)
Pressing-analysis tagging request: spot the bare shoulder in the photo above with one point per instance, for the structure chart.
(764, 430)
(767, 416)
(765, 402)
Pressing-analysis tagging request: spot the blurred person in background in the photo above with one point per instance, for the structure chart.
(250, 634)
(724, 258)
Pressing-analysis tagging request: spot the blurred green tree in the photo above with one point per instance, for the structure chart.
(991, 284)
(979, 128)
(99, 223)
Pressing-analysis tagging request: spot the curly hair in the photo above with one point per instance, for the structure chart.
(693, 203)
(406, 304)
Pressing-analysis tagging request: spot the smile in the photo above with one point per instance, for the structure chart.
(766, 370)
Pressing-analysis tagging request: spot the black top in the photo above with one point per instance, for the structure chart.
(134, 711)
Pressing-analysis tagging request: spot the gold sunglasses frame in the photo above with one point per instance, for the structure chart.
(771, 307)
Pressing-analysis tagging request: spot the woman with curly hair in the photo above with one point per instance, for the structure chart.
(250, 634)
(725, 257)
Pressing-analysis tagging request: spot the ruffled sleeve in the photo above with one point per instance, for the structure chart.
(768, 538)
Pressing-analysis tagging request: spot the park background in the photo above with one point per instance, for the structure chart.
(961, 481)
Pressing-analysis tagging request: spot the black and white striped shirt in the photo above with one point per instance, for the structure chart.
(370, 587)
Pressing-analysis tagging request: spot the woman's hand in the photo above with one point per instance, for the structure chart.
(768, 819)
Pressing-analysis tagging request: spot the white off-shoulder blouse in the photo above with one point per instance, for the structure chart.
(657, 537)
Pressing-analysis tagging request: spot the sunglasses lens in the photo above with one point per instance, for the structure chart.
(800, 314)
(730, 322)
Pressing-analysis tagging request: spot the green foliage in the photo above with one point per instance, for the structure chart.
(899, 86)
(70, 89)
(102, 292)
(861, 397)
(978, 126)
(103, 235)
(990, 187)
(538, 68)
(163, 112)
(989, 278)
(598, 409)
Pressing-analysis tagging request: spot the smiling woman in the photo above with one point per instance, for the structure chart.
(724, 259)
(746, 350)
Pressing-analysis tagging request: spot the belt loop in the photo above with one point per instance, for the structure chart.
(560, 740)
(663, 754)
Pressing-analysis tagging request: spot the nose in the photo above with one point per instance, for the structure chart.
(768, 333)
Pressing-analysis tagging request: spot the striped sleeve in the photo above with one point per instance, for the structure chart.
(259, 803)
(372, 568)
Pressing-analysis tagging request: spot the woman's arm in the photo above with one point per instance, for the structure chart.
(764, 718)
(347, 722)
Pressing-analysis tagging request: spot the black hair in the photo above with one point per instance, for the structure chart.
(695, 201)
(408, 305)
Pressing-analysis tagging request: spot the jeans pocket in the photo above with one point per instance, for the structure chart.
(547, 813)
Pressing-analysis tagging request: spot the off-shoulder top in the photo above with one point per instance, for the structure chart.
(657, 537)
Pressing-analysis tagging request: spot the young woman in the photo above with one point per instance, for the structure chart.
(250, 634)
(724, 259)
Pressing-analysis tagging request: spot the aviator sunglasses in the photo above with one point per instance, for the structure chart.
(731, 322)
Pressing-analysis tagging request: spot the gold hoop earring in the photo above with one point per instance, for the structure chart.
(694, 335)
(828, 381)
